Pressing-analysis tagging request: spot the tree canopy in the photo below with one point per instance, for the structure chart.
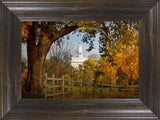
(39, 37)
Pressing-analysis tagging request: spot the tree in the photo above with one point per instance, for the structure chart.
(23, 65)
(59, 59)
(39, 42)
(39, 38)
(110, 69)
(95, 57)
(23, 71)
(122, 56)
(87, 71)
(127, 60)
(108, 32)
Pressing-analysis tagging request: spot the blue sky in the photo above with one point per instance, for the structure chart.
(23, 51)
(73, 40)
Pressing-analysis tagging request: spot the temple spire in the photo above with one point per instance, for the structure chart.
(79, 51)
(79, 59)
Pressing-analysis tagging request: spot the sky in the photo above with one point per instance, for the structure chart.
(73, 41)
(24, 50)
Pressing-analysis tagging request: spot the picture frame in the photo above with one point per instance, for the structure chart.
(12, 12)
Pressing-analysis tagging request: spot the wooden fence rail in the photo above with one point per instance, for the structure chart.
(60, 86)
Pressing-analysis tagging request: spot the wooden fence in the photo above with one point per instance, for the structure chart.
(60, 86)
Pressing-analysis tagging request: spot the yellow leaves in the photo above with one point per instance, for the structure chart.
(124, 57)
(119, 58)
(86, 23)
(89, 65)
(87, 26)
(81, 23)
(45, 39)
(88, 70)
(130, 64)
(24, 76)
(73, 23)
(109, 69)
(82, 28)
(132, 32)
(24, 29)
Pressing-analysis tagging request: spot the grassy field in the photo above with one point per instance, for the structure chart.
(89, 90)
(98, 94)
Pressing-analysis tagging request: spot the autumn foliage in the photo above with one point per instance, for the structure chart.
(118, 63)
(124, 62)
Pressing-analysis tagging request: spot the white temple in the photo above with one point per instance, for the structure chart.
(76, 61)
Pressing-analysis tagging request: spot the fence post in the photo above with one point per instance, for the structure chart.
(101, 87)
(45, 83)
(111, 88)
(53, 85)
(81, 86)
(56, 84)
(119, 88)
(63, 86)
(43, 94)
(94, 85)
(87, 89)
(72, 83)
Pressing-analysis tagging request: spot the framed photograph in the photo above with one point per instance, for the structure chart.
(147, 12)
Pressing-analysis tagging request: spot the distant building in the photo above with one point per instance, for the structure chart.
(76, 61)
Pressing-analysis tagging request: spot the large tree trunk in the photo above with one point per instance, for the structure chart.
(35, 72)
(36, 57)
(33, 65)
(37, 52)
(34, 78)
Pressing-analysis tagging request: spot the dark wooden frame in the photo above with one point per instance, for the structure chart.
(145, 11)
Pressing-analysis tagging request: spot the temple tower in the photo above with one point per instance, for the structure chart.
(79, 51)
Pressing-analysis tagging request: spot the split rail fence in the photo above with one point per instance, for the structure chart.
(60, 86)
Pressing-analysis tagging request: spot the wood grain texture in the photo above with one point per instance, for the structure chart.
(149, 60)
(10, 38)
(76, 10)
(17, 56)
(87, 109)
(1, 64)
(158, 61)
(147, 11)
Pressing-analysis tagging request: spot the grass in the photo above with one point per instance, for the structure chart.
(98, 94)
(89, 90)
